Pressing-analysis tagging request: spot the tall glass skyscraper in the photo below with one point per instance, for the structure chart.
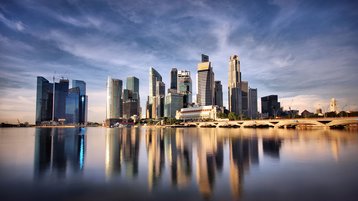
(73, 106)
(83, 101)
(61, 90)
(114, 98)
(205, 82)
(185, 86)
(173, 78)
(44, 100)
(218, 94)
(154, 78)
(252, 103)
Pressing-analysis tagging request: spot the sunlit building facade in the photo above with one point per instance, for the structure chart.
(44, 100)
(185, 86)
(234, 86)
(205, 82)
(196, 113)
(114, 98)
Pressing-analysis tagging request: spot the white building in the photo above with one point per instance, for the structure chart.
(333, 105)
(196, 113)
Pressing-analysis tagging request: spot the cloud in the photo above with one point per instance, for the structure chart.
(12, 24)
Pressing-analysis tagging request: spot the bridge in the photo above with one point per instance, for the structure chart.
(339, 122)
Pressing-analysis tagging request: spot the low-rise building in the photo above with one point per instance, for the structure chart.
(198, 113)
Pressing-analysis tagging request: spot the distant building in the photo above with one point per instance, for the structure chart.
(131, 98)
(205, 82)
(173, 79)
(306, 114)
(61, 90)
(44, 100)
(196, 113)
(245, 98)
(185, 86)
(154, 76)
(159, 99)
(270, 106)
(218, 94)
(173, 103)
(234, 86)
(73, 106)
(114, 98)
(333, 105)
(83, 102)
(252, 112)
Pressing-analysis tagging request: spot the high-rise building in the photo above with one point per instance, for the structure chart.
(132, 84)
(154, 76)
(83, 102)
(173, 102)
(131, 98)
(333, 105)
(245, 98)
(270, 106)
(160, 99)
(234, 86)
(73, 106)
(252, 103)
(61, 90)
(184, 86)
(205, 82)
(114, 98)
(218, 94)
(173, 79)
(44, 100)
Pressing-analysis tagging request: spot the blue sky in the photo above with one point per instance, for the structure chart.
(304, 51)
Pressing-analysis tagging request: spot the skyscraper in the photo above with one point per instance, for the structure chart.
(114, 98)
(154, 76)
(245, 98)
(61, 90)
(333, 105)
(185, 86)
(73, 106)
(44, 100)
(160, 99)
(205, 82)
(252, 103)
(234, 85)
(218, 94)
(173, 78)
(133, 86)
(83, 101)
(270, 105)
(173, 102)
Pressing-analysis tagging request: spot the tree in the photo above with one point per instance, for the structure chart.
(232, 116)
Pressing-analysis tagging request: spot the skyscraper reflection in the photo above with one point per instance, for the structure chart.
(113, 149)
(130, 150)
(59, 151)
(155, 151)
(271, 147)
(209, 160)
(243, 153)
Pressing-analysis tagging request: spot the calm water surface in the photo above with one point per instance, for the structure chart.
(177, 164)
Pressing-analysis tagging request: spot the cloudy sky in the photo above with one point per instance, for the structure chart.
(304, 51)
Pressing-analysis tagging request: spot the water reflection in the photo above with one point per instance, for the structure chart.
(57, 150)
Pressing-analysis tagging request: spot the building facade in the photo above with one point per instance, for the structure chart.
(205, 82)
(218, 94)
(61, 91)
(173, 79)
(198, 113)
(333, 105)
(173, 103)
(185, 86)
(44, 100)
(73, 106)
(245, 98)
(151, 106)
(114, 98)
(234, 86)
(270, 107)
(252, 103)
(83, 102)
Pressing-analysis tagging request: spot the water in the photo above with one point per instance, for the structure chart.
(177, 164)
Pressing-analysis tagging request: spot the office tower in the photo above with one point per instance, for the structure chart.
(160, 99)
(252, 103)
(154, 76)
(61, 90)
(218, 94)
(333, 105)
(133, 100)
(44, 100)
(130, 103)
(83, 107)
(73, 106)
(185, 86)
(270, 105)
(114, 98)
(245, 98)
(173, 79)
(234, 85)
(205, 82)
(173, 102)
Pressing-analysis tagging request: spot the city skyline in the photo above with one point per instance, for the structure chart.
(303, 51)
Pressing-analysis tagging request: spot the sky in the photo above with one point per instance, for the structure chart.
(306, 52)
